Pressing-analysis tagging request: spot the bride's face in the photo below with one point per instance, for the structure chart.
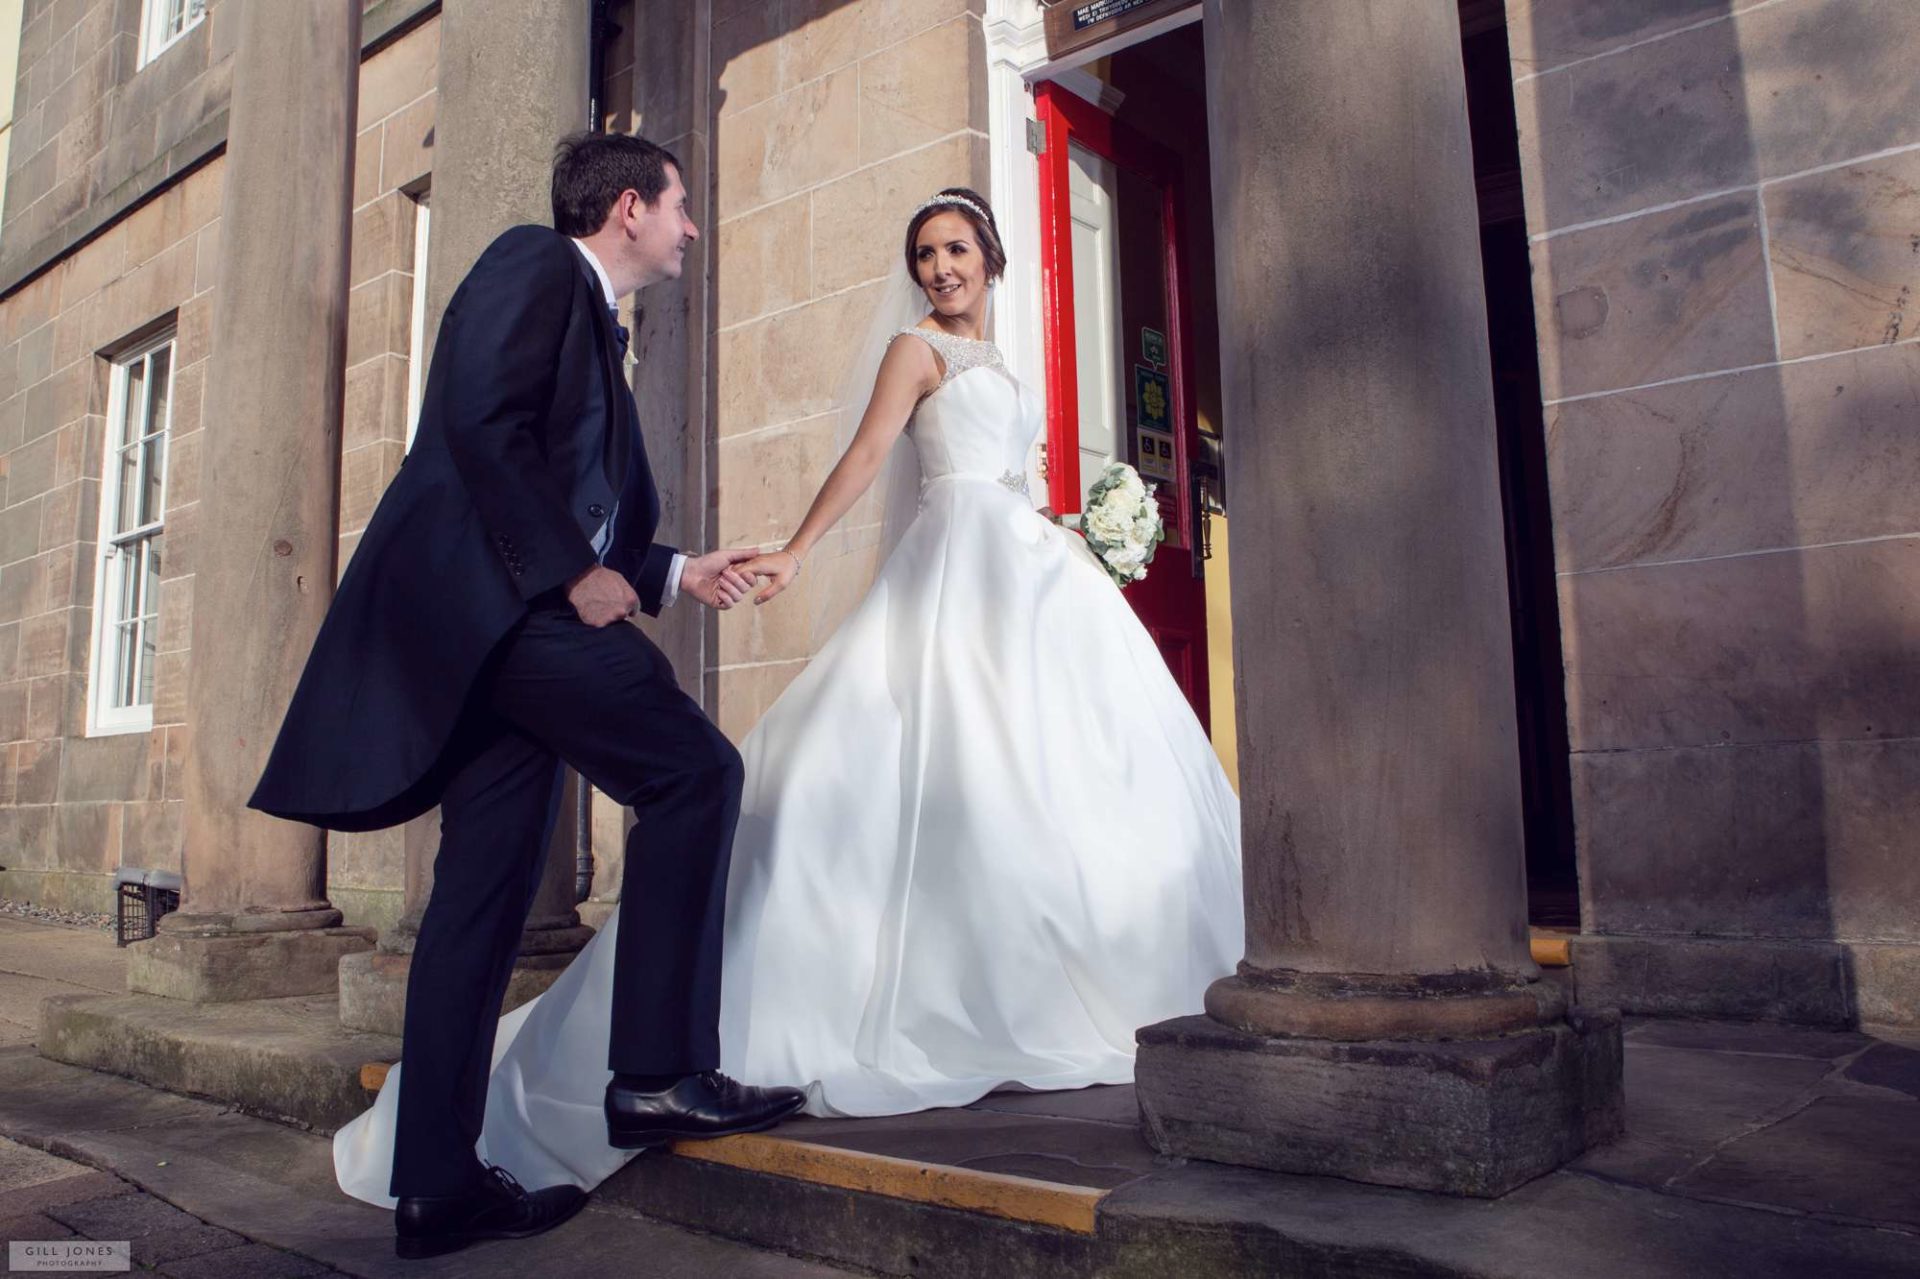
(948, 265)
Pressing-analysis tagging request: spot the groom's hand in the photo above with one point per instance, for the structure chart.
(601, 596)
(714, 581)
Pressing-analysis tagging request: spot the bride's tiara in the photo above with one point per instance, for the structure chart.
(942, 201)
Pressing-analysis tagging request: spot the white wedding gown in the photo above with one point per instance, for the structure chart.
(983, 839)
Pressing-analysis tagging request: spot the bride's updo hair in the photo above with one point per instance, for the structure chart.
(986, 232)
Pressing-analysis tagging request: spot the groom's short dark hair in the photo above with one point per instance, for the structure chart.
(590, 170)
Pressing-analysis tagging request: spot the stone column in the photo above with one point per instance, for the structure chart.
(1387, 1023)
(255, 921)
(512, 82)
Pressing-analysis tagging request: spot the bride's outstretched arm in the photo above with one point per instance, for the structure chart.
(908, 371)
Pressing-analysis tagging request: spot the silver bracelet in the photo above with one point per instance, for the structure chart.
(797, 565)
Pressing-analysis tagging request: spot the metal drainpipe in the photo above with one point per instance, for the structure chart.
(600, 27)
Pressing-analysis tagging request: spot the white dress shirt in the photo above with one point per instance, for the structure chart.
(672, 591)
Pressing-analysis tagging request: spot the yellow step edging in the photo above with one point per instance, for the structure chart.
(1041, 1203)
(1551, 951)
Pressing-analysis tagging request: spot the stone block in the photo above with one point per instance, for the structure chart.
(882, 196)
(1825, 80)
(1745, 979)
(382, 237)
(20, 532)
(284, 1058)
(1803, 454)
(754, 57)
(789, 366)
(788, 143)
(150, 834)
(1662, 122)
(157, 1231)
(1775, 90)
(1657, 297)
(376, 402)
(104, 768)
(364, 476)
(1543, 34)
(1844, 246)
(56, 706)
(406, 150)
(70, 513)
(400, 73)
(243, 966)
(1796, 839)
(23, 587)
(833, 33)
(380, 317)
(1474, 1118)
(373, 988)
(744, 693)
(43, 643)
(366, 163)
(1886, 983)
(83, 838)
(1847, 1157)
(764, 260)
(902, 107)
(1799, 645)
(37, 771)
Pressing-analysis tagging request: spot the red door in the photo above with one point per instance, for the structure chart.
(1119, 351)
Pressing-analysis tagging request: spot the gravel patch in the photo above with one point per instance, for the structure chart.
(47, 915)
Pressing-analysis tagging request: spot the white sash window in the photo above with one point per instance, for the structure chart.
(126, 612)
(164, 21)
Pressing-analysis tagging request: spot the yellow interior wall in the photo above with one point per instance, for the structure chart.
(1226, 739)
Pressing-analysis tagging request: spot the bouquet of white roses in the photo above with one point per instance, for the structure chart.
(1121, 523)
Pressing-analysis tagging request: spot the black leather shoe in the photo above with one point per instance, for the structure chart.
(498, 1208)
(700, 1106)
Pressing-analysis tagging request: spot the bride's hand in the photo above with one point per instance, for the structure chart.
(718, 579)
(777, 569)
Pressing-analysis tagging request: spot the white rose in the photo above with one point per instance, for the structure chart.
(1106, 525)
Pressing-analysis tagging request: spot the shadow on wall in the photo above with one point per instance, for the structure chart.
(1733, 533)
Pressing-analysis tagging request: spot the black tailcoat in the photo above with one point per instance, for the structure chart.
(527, 436)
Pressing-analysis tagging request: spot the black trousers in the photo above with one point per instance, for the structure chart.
(605, 702)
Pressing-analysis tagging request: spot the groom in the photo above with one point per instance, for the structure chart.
(479, 638)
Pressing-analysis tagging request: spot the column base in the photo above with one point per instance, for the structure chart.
(210, 959)
(1467, 1117)
(373, 985)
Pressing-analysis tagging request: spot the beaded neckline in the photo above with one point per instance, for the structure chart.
(957, 353)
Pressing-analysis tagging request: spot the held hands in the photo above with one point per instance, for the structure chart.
(777, 569)
(718, 579)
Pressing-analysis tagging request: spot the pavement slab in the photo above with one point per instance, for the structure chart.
(1847, 1158)
(217, 1181)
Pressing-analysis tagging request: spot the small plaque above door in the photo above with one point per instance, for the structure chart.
(1075, 24)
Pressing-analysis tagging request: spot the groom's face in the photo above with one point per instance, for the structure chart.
(662, 233)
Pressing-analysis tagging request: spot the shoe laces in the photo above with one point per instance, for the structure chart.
(506, 1181)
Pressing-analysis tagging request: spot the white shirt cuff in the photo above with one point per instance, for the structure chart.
(672, 593)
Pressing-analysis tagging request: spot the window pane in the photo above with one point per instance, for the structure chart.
(159, 385)
(123, 685)
(152, 468)
(148, 632)
(149, 578)
(126, 585)
(127, 489)
(133, 425)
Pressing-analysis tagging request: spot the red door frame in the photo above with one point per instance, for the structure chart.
(1066, 117)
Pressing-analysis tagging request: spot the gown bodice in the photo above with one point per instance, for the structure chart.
(979, 423)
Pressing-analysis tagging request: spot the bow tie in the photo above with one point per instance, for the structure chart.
(620, 333)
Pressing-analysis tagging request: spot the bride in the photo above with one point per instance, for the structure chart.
(983, 838)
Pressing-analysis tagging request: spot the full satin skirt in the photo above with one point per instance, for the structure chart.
(983, 840)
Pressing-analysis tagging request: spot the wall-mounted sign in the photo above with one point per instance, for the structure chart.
(1075, 24)
(1153, 347)
(1155, 454)
(1152, 399)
